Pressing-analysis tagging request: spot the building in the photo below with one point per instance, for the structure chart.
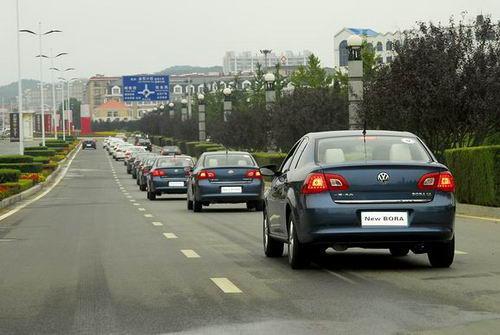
(113, 110)
(246, 62)
(382, 44)
(99, 89)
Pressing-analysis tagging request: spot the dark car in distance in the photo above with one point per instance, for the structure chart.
(144, 142)
(168, 175)
(89, 144)
(373, 189)
(170, 150)
(225, 177)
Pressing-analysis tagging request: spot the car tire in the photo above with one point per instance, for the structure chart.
(272, 247)
(197, 206)
(259, 205)
(297, 252)
(399, 251)
(142, 187)
(189, 205)
(441, 255)
(250, 205)
(151, 196)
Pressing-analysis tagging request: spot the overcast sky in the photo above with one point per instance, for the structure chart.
(116, 37)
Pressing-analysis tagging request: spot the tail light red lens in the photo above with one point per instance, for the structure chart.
(206, 174)
(441, 181)
(145, 170)
(158, 173)
(253, 174)
(321, 182)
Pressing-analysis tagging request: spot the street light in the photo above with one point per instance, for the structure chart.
(355, 79)
(19, 86)
(171, 105)
(265, 52)
(41, 56)
(201, 118)
(228, 106)
(68, 81)
(54, 123)
(184, 110)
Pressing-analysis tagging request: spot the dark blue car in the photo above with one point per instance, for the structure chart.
(168, 175)
(377, 189)
(225, 177)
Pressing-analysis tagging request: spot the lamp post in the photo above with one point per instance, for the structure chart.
(228, 106)
(19, 86)
(270, 79)
(202, 135)
(184, 110)
(41, 56)
(355, 79)
(171, 112)
(54, 123)
(265, 52)
(63, 112)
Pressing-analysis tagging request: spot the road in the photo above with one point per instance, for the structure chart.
(94, 256)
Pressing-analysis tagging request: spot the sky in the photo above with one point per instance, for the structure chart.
(119, 37)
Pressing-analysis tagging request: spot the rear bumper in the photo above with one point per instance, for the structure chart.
(162, 185)
(211, 192)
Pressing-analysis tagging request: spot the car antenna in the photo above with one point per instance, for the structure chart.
(364, 136)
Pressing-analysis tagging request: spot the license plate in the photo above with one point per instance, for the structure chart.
(230, 189)
(386, 219)
(89, 145)
(176, 184)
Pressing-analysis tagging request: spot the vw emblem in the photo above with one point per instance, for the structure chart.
(383, 177)
(230, 171)
(176, 170)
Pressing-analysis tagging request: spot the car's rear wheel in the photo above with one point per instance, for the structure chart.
(272, 247)
(189, 205)
(441, 255)
(197, 206)
(399, 252)
(151, 195)
(142, 187)
(297, 252)
(257, 205)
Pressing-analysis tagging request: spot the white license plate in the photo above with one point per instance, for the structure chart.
(89, 145)
(176, 184)
(386, 219)
(230, 189)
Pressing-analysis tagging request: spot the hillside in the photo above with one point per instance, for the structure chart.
(186, 69)
(9, 92)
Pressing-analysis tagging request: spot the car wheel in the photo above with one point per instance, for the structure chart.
(151, 196)
(142, 187)
(259, 205)
(272, 247)
(250, 205)
(297, 253)
(189, 205)
(197, 206)
(442, 254)
(399, 252)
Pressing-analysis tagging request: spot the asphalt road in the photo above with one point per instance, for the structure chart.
(92, 257)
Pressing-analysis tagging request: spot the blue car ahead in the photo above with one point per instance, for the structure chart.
(225, 177)
(168, 175)
(374, 189)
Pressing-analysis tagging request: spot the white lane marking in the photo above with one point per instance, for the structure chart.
(130, 197)
(190, 253)
(225, 285)
(169, 235)
(135, 204)
(131, 200)
(141, 209)
(344, 278)
(459, 252)
(479, 217)
(29, 202)
(156, 223)
(148, 215)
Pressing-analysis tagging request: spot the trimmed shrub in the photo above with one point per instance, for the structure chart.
(15, 159)
(35, 148)
(190, 148)
(41, 159)
(9, 175)
(268, 158)
(202, 147)
(477, 174)
(50, 166)
(218, 148)
(57, 145)
(44, 153)
(57, 158)
(23, 167)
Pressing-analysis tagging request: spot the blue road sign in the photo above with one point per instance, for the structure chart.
(146, 88)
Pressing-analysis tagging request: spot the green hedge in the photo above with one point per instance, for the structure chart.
(35, 148)
(9, 175)
(57, 145)
(23, 167)
(266, 158)
(41, 159)
(202, 147)
(217, 148)
(44, 153)
(15, 159)
(477, 174)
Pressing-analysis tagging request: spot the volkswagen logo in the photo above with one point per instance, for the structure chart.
(176, 170)
(383, 177)
(230, 171)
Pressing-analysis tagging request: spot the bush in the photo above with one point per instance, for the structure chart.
(41, 159)
(267, 158)
(23, 167)
(34, 148)
(9, 175)
(44, 153)
(477, 174)
(190, 148)
(15, 159)
(50, 166)
(202, 147)
(34, 177)
(218, 148)
(57, 158)
(104, 133)
(55, 145)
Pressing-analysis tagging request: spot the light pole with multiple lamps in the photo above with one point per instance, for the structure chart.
(265, 52)
(355, 79)
(171, 111)
(54, 122)
(63, 111)
(202, 135)
(270, 79)
(41, 56)
(20, 125)
(228, 106)
(184, 110)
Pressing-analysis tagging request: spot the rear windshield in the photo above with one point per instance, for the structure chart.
(228, 160)
(174, 161)
(377, 148)
(171, 148)
(144, 141)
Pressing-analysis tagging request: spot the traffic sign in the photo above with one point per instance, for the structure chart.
(146, 88)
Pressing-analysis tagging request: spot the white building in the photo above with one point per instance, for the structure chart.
(382, 44)
(247, 61)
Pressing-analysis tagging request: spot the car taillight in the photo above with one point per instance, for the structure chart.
(254, 174)
(318, 182)
(145, 170)
(158, 173)
(206, 174)
(441, 181)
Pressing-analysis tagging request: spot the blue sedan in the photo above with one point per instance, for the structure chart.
(225, 177)
(374, 189)
(168, 175)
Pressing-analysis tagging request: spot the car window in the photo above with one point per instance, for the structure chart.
(372, 148)
(285, 166)
(174, 161)
(298, 154)
(228, 160)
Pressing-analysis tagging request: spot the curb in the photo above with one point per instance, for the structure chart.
(7, 202)
(479, 211)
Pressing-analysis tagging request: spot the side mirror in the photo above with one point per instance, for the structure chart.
(269, 170)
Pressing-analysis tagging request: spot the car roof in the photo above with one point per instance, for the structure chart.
(224, 152)
(339, 133)
(176, 157)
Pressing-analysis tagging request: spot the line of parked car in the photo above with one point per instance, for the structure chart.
(339, 189)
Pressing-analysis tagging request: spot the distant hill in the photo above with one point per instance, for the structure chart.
(9, 92)
(186, 69)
